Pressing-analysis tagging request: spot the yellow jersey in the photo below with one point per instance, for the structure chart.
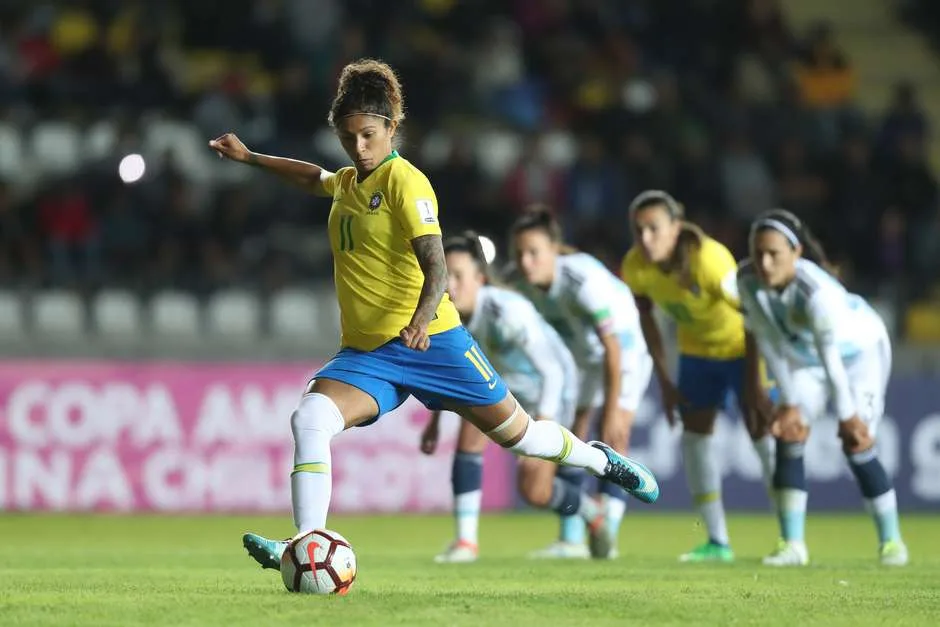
(705, 310)
(378, 279)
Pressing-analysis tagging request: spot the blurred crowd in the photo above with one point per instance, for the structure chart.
(718, 101)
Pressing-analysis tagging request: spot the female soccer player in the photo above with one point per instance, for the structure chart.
(691, 277)
(401, 334)
(823, 345)
(539, 370)
(595, 315)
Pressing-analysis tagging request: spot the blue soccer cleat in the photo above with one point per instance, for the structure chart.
(629, 474)
(265, 552)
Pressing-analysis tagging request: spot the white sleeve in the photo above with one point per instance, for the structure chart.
(535, 344)
(593, 298)
(822, 321)
(778, 365)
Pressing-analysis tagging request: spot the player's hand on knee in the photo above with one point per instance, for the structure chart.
(230, 147)
(855, 435)
(429, 438)
(415, 337)
(673, 401)
(787, 425)
(759, 415)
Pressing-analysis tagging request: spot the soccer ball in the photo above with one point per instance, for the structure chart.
(318, 562)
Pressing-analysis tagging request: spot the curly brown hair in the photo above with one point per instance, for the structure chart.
(368, 86)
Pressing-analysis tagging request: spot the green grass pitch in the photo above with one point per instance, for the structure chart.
(132, 570)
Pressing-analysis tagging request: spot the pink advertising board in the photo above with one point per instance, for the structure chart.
(138, 436)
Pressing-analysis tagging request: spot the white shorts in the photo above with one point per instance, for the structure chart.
(636, 369)
(868, 375)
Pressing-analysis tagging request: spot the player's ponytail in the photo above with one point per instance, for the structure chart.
(368, 86)
(796, 233)
(539, 217)
(469, 242)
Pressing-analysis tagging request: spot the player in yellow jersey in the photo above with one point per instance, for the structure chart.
(692, 277)
(401, 334)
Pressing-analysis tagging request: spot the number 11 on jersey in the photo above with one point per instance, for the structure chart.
(346, 243)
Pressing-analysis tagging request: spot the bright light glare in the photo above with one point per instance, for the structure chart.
(489, 248)
(132, 168)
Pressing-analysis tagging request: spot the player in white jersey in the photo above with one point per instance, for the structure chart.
(825, 347)
(541, 374)
(596, 316)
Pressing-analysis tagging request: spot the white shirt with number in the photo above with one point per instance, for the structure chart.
(822, 343)
(584, 302)
(528, 353)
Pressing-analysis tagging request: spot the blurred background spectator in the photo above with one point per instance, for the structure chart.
(576, 104)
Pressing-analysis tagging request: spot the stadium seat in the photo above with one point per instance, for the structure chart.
(174, 315)
(58, 313)
(11, 315)
(328, 312)
(294, 313)
(436, 149)
(100, 140)
(185, 144)
(233, 314)
(55, 147)
(11, 153)
(559, 148)
(497, 152)
(117, 314)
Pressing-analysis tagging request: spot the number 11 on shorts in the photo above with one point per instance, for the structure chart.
(480, 364)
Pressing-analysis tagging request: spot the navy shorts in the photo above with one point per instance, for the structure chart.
(708, 383)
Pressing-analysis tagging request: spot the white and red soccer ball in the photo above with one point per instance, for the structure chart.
(319, 562)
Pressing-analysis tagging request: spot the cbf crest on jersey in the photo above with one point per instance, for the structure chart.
(375, 202)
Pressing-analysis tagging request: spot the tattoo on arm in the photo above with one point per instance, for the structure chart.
(429, 249)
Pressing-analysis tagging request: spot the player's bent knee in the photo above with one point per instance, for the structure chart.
(316, 413)
(535, 487)
(856, 436)
(792, 429)
(508, 433)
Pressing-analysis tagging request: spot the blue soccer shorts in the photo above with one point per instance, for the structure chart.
(453, 372)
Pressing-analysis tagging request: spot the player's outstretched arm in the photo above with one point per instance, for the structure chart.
(429, 249)
(305, 175)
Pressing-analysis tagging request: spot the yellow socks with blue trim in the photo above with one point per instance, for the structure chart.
(313, 424)
(704, 479)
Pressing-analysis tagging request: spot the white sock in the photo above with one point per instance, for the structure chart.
(314, 423)
(549, 440)
(704, 479)
(766, 448)
(467, 514)
(884, 509)
(615, 510)
(791, 512)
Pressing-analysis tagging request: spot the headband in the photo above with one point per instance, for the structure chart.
(659, 196)
(378, 115)
(778, 226)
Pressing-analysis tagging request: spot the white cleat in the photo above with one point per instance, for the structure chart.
(460, 552)
(893, 553)
(788, 553)
(561, 551)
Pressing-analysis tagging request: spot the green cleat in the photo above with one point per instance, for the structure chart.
(709, 552)
(264, 551)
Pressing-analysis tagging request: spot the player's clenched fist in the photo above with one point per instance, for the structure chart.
(230, 147)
